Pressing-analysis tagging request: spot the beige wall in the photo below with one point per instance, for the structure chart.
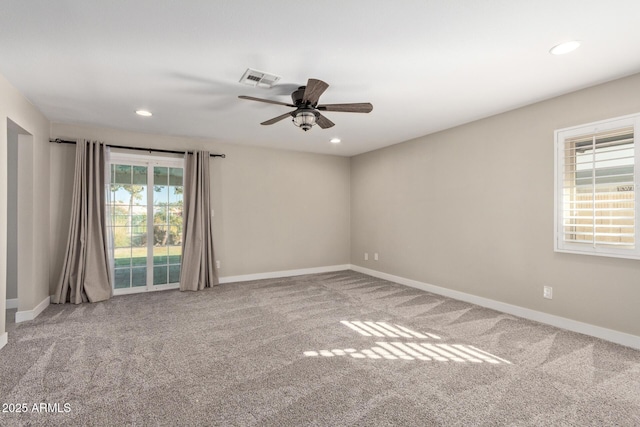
(472, 209)
(274, 210)
(16, 108)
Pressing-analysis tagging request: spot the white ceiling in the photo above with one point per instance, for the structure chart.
(425, 65)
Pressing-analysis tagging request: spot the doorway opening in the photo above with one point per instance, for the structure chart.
(20, 238)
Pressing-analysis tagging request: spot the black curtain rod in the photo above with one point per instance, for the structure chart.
(158, 150)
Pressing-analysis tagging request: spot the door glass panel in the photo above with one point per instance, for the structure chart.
(175, 177)
(139, 175)
(160, 275)
(167, 224)
(161, 176)
(122, 278)
(121, 174)
(174, 273)
(139, 276)
(128, 213)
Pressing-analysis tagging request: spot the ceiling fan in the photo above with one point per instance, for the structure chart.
(307, 110)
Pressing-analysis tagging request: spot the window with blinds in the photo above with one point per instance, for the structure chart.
(595, 194)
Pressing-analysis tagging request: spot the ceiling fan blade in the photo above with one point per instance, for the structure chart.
(268, 101)
(323, 122)
(360, 107)
(314, 89)
(276, 119)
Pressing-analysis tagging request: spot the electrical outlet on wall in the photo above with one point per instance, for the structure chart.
(375, 256)
(547, 292)
(217, 263)
(366, 256)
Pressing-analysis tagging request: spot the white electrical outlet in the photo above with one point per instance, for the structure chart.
(375, 256)
(547, 292)
(366, 256)
(217, 264)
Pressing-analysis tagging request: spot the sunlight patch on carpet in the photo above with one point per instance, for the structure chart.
(407, 350)
(382, 329)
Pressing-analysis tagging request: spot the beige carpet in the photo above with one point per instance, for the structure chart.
(335, 349)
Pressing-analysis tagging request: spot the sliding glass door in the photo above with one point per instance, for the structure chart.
(145, 212)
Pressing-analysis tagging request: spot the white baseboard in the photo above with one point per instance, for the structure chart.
(12, 303)
(24, 316)
(141, 289)
(285, 273)
(617, 337)
(4, 339)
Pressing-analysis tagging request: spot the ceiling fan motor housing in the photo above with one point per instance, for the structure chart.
(297, 96)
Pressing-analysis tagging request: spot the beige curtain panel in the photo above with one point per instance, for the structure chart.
(86, 273)
(198, 270)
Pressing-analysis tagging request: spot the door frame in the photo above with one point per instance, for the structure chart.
(148, 161)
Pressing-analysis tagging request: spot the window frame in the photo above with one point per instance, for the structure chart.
(149, 161)
(560, 136)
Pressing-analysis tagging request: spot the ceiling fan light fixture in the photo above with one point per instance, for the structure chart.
(304, 119)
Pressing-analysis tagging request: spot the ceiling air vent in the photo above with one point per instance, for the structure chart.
(259, 78)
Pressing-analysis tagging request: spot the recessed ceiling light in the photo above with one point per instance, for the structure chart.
(565, 47)
(144, 113)
(335, 140)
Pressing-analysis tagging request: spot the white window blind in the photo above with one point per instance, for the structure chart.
(596, 179)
